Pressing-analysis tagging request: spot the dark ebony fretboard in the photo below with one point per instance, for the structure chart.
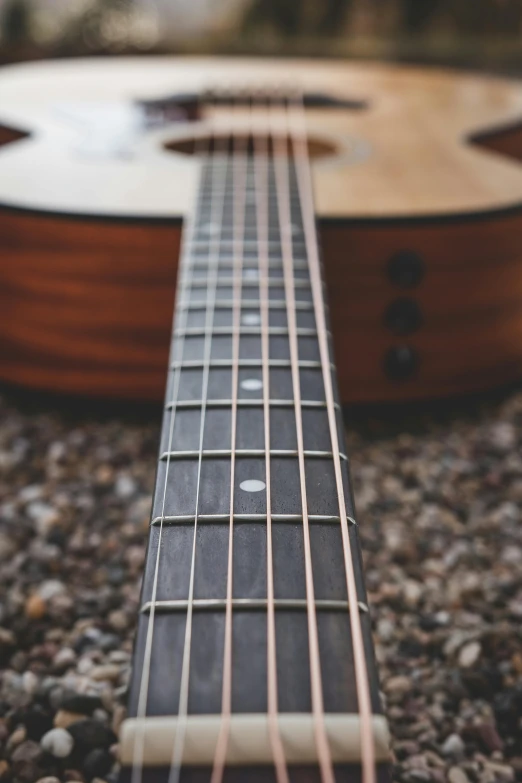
(193, 486)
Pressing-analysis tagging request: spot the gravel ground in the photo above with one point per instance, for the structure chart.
(440, 514)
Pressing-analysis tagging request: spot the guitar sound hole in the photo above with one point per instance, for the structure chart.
(505, 141)
(9, 135)
(317, 148)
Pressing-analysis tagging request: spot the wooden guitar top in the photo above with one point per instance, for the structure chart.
(407, 152)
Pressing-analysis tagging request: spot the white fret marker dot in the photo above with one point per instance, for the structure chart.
(251, 384)
(251, 319)
(252, 485)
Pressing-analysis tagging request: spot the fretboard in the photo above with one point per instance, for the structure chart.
(246, 558)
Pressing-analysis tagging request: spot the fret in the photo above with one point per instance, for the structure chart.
(237, 247)
(189, 519)
(250, 263)
(206, 604)
(196, 364)
(226, 256)
(272, 282)
(229, 304)
(212, 453)
(258, 403)
(244, 330)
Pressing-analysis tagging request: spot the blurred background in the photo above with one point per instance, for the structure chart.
(485, 34)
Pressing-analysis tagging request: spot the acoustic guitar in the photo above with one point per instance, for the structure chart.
(418, 196)
(253, 659)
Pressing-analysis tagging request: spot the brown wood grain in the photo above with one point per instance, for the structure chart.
(86, 305)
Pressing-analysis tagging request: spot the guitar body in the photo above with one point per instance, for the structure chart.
(418, 195)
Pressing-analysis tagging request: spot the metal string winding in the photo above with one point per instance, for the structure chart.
(239, 176)
(297, 124)
(279, 135)
(217, 204)
(261, 158)
(202, 148)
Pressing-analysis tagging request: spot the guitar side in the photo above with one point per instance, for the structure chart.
(87, 304)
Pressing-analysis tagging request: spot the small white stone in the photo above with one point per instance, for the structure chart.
(125, 486)
(469, 654)
(252, 485)
(64, 657)
(50, 589)
(29, 682)
(453, 746)
(56, 451)
(30, 493)
(385, 629)
(251, 384)
(503, 436)
(251, 319)
(57, 742)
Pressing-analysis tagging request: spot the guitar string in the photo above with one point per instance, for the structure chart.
(181, 319)
(297, 124)
(299, 143)
(261, 167)
(217, 207)
(279, 133)
(239, 177)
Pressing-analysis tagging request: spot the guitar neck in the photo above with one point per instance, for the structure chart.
(254, 644)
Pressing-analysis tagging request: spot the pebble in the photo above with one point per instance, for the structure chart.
(399, 684)
(63, 718)
(108, 672)
(453, 746)
(16, 738)
(469, 654)
(501, 772)
(125, 487)
(489, 737)
(30, 682)
(35, 607)
(118, 620)
(58, 742)
(89, 734)
(26, 761)
(80, 703)
(457, 775)
(97, 763)
(64, 658)
(73, 776)
(50, 589)
(442, 501)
